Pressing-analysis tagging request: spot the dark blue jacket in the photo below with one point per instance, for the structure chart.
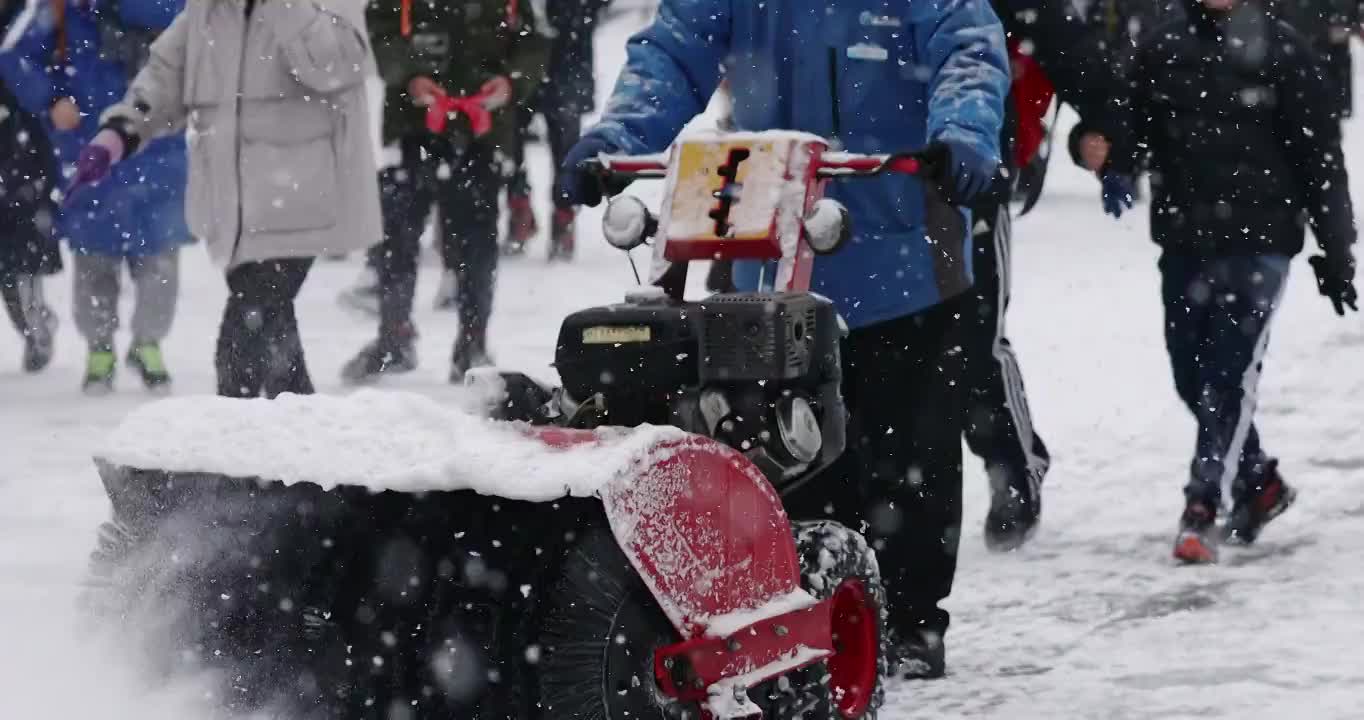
(878, 76)
(139, 210)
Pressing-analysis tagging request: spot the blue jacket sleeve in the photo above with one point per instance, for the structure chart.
(965, 50)
(26, 57)
(671, 69)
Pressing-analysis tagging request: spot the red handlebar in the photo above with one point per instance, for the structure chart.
(831, 165)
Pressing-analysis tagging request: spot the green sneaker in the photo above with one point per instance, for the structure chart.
(146, 359)
(99, 372)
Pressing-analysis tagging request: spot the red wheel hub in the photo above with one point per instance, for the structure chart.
(857, 646)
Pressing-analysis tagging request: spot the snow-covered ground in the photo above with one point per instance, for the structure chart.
(1092, 619)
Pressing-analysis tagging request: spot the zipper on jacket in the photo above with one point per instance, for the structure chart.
(237, 139)
(833, 92)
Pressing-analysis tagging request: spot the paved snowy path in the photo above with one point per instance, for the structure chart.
(1091, 620)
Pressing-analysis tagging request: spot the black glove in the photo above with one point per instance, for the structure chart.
(576, 186)
(962, 173)
(1335, 279)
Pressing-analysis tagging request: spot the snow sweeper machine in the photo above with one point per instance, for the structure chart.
(613, 548)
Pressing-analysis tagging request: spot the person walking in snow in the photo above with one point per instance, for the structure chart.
(281, 166)
(78, 58)
(568, 92)
(1051, 55)
(478, 59)
(872, 78)
(1244, 143)
(28, 247)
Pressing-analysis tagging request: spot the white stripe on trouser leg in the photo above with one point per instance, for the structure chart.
(1014, 397)
(1250, 382)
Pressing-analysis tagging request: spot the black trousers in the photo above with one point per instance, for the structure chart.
(563, 124)
(900, 479)
(463, 187)
(1217, 315)
(259, 348)
(999, 427)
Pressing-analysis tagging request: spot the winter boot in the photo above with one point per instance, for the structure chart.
(364, 294)
(562, 235)
(35, 321)
(447, 295)
(1196, 543)
(395, 352)
(918, 654)
(146, 359)
(1259, 498)
(521, 225)
(99, 372)
(1015, 509)
(39, 339)
(468, 354)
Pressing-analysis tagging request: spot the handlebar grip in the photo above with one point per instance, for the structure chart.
(907, 164)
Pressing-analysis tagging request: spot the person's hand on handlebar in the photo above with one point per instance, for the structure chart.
(575, 184)
(962, 172)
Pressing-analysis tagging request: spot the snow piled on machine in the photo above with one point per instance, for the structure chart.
(381, 440)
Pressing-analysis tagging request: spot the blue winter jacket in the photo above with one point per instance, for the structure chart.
(139, 209)
(877, 75)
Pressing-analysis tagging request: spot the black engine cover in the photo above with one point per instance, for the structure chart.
(765, 336)
(638, 357)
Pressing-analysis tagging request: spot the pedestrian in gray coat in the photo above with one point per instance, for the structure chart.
(281, 165)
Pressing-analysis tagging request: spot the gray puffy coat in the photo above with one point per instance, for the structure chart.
(281, 161)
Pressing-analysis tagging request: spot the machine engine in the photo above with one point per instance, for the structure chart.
(757, 371)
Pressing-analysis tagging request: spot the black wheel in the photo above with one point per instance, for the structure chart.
(597, 640)
(837, 564)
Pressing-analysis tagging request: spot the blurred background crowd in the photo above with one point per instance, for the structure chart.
(529, 67)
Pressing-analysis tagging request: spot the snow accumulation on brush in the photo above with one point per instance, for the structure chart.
(380, 440)
(726, 624)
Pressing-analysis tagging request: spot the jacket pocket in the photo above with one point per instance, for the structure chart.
(288, 167)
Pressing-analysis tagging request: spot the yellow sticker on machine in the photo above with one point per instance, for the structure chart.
(616, 334)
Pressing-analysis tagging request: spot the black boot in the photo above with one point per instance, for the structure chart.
(35, 321)
(1015, 509)
(470, 352)
(918, 654)
(1259, 498)
(563, 236)
(394, 352)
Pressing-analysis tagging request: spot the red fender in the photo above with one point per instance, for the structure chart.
(701, 525)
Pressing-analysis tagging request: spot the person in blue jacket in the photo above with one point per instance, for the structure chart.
(873, 77)
(69, 62)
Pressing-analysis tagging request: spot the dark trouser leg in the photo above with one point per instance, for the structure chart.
(23, 298)
(406, 196)
(999, 425)
(518, 183)
(564, 124)
(287, 368)
(1217, 330)
(259, 349)
(900, 480)
(468, 210)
